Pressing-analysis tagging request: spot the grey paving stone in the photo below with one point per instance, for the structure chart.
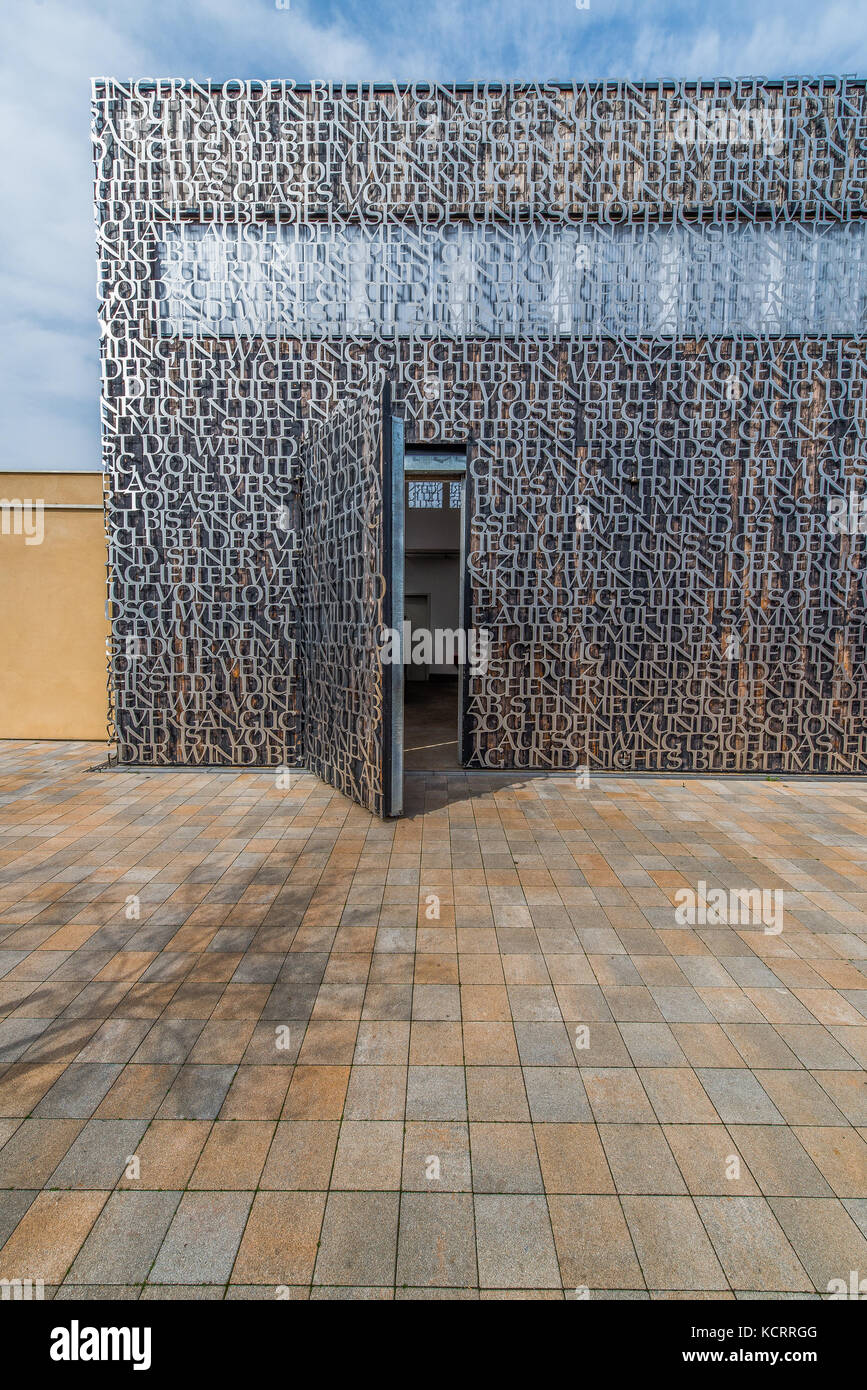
(99, 1155)
(198, 1092)
(125, 1240)
(78, 1091)
(358, 1242)
(750, 1244)
(556, 1094)
(738, 1096)
(202, 1241)
(13, 1205)
(436, 1093)
(437, 1245)
(514, 1242)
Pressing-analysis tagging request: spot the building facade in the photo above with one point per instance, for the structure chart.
(635, 312)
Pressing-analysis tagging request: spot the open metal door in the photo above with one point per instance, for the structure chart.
(352, 601)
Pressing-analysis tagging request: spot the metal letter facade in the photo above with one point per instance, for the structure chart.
(641, 309)
(346, 479)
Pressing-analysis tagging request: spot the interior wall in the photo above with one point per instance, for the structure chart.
(438, 576)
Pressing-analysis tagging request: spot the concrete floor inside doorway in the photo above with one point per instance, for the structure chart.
(430, 714)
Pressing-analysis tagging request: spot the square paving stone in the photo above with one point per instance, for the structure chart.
(710, 1161)
(49, 1235)
(125, 1239)
(514, 1243)
(197, 1093)
(359, 1239)
(706, 1045)
(616, 1095)
(233, 1156)
(738, 1096)
(824, 1237)
(78, 1091)
(841, 1155)
(99, 1155)
(280, 1240)
(368, 1155)
(301, 1155)
(435, 1043)
(544, 1044)
(489, 1044)
(137, 1092)
(556, 1094)
(376, 1093)
(640, 1159)
(677, 1095)
(800, 1099)
(815, 1048)
(168, 1153)
(436, 1157)
(504, 1158)
(436, 1093)
(752, 1248)
(848, 1090)
(30, 1156)
(437, 1246)
(203, 1238)
(652, 1045)
(381, 1044)
(256, 1093)
(169, 1040)
(496, 1093)
(778, 1161)
(115, 1040)
(328, 1043)
(593, 1244)
(572, 1159)
(316, 1093)
(436, 1002)
(601, 1045)
(671, 1244)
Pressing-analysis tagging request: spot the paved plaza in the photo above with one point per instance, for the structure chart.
(255, 1043)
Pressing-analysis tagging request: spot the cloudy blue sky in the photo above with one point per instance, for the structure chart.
(49, 50)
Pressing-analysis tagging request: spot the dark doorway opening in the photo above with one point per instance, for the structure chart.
(432, 604)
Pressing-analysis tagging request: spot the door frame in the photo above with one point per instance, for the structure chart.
(392, 605)
(449, 462)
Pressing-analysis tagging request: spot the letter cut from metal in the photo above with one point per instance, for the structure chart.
(352, 552)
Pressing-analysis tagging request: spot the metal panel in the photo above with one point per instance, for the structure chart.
(466, 612)
(349, 705)
(712, 613)
(394, 619)
(463, 280)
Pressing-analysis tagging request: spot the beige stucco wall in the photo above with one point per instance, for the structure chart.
(52, 611)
